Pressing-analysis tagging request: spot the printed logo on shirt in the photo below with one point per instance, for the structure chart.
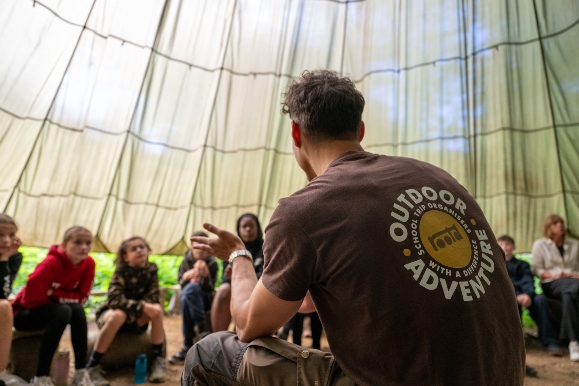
(66, 300)
(440, 243)
(445, 239)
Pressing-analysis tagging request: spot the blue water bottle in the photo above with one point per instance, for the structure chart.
(141, 369)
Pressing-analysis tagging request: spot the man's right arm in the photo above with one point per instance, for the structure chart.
(255, 310)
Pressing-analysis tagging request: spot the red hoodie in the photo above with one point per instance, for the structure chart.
(70, 283)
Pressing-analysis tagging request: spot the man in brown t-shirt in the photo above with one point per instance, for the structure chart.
(397, 257)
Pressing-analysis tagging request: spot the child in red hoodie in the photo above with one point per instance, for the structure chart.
(53, 298)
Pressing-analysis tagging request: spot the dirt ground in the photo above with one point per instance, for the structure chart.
(552, 371)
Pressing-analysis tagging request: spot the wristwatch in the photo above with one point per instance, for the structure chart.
(240, 252)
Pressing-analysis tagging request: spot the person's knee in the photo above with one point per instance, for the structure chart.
(191, 289)
(570, 288)
(208, 353)
(115, 318)
(61, 312)
(6, 322)
(5, 308)
(159, 312)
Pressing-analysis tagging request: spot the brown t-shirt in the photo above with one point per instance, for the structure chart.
(404, 270)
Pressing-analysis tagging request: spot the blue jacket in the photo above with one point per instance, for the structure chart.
(521, 277)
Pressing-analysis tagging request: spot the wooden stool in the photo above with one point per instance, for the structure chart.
(124, 350)
(24, 353)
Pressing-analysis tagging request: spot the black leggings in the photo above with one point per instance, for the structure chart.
(296, 324)
(567, 290)
(53, 318)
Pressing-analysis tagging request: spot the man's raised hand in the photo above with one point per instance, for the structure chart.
(221, 246)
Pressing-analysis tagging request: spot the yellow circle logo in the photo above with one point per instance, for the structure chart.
(444, 239)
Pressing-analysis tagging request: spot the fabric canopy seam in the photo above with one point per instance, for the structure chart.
(364, 76)
(135, 203)
(270, 149)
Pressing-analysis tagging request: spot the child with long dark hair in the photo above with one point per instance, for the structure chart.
(249, 230)
(53, 298)
(132, 302)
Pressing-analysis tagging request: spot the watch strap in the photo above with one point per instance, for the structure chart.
(240, 252)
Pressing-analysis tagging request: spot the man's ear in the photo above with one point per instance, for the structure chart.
(361, 132)
(296, 134)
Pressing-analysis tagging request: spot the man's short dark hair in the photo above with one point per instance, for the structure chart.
(325, 104)
(506, 238)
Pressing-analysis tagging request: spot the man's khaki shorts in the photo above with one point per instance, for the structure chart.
(222, 359)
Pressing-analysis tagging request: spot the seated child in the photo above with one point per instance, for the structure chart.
(53, 298)
(197, 275)
(522, 279)
(10, 260)
(249, 230)
(132, 302)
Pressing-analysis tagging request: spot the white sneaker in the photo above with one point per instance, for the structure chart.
(42, 381)
(97, 377)
(574, 351)
(158, 370)
(82, 378)
(14, 380)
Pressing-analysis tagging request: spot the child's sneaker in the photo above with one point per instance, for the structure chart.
(97, 377)
(13, 380)
(158, 370)
(530, 371)
(554, 350)
(179, 358)
(574, 351)
(42, 381)
(81, 378)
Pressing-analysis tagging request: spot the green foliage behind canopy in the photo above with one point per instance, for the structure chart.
(168, 267)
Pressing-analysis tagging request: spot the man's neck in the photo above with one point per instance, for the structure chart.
(323, 154)
(509, 257)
